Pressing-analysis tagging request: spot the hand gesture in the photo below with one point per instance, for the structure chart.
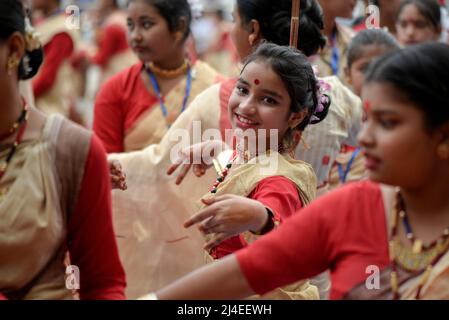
(205, 151)
(118, 177)
(227, 216)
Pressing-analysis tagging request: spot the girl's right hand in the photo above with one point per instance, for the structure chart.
(204, 152)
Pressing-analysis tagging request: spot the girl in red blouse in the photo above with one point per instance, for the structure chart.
(276, 90)
(135, 107)
(378, 241)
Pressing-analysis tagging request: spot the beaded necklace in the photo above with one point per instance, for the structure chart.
(423, 257)
(169, 73)
(15, 125)
(222, 173)
(20, 125)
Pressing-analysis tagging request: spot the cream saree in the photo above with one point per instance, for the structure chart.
(148, 217)
(244, 178)
(154, 247)
(151, 126)
(66, 86)
(38, 197)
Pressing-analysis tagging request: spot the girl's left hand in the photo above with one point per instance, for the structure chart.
(118, 177)
(227, 216)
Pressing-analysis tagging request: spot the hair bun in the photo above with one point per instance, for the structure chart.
(320, 115)
(30, 63)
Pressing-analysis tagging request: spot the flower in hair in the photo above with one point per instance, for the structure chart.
(322, 89)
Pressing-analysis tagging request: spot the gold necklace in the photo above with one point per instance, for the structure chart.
(164, 73)
(418, 259)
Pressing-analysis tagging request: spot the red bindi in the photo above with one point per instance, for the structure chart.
(367, 106)
(257, 82)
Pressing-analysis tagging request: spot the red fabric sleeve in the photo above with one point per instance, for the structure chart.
(344, 231)
(113, 40)
(109, 116)
(59, 49)
(277, 193)
(91, 237)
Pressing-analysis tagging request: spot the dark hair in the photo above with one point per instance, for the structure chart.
(430, 9)
(298, 76)
(420, 74)
(12, 19)
(172, 11)
(274, 17)
(369, 37)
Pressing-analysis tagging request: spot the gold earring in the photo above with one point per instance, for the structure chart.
(443, 151)
(178, 36)
(252, 40)
(13, 62)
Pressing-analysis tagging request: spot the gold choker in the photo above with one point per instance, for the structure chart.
(168, 73)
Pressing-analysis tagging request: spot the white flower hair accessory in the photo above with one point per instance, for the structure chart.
(322, 93)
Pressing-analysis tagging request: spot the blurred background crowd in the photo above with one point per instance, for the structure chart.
(101, 47)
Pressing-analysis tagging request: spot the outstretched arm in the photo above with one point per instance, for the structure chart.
(219, 280)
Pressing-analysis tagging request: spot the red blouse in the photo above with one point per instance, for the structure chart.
(277, 193)
(113, 40)
(91, 238)
(344, 231)
(120, 102)
(58, 50)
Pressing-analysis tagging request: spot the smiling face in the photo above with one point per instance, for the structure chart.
(150, 36)
(412, 27)
(260, 102)
(399, 149)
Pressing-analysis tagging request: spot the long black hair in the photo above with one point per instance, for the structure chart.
(12, 19)
(420, 74)
(274, 17)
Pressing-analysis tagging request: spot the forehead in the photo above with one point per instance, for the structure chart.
(385, 97)
(368, 52)
(139, 8)
(266, 76)
(377, 93)
(411, 12)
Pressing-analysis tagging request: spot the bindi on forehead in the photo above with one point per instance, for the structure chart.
(256, 82)
(367, 106)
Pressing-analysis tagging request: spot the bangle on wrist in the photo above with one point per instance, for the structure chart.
(269, 225)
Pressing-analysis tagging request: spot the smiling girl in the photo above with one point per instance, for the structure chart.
(137, 106)
(276, 90)
(401, 231)
(154, 223)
